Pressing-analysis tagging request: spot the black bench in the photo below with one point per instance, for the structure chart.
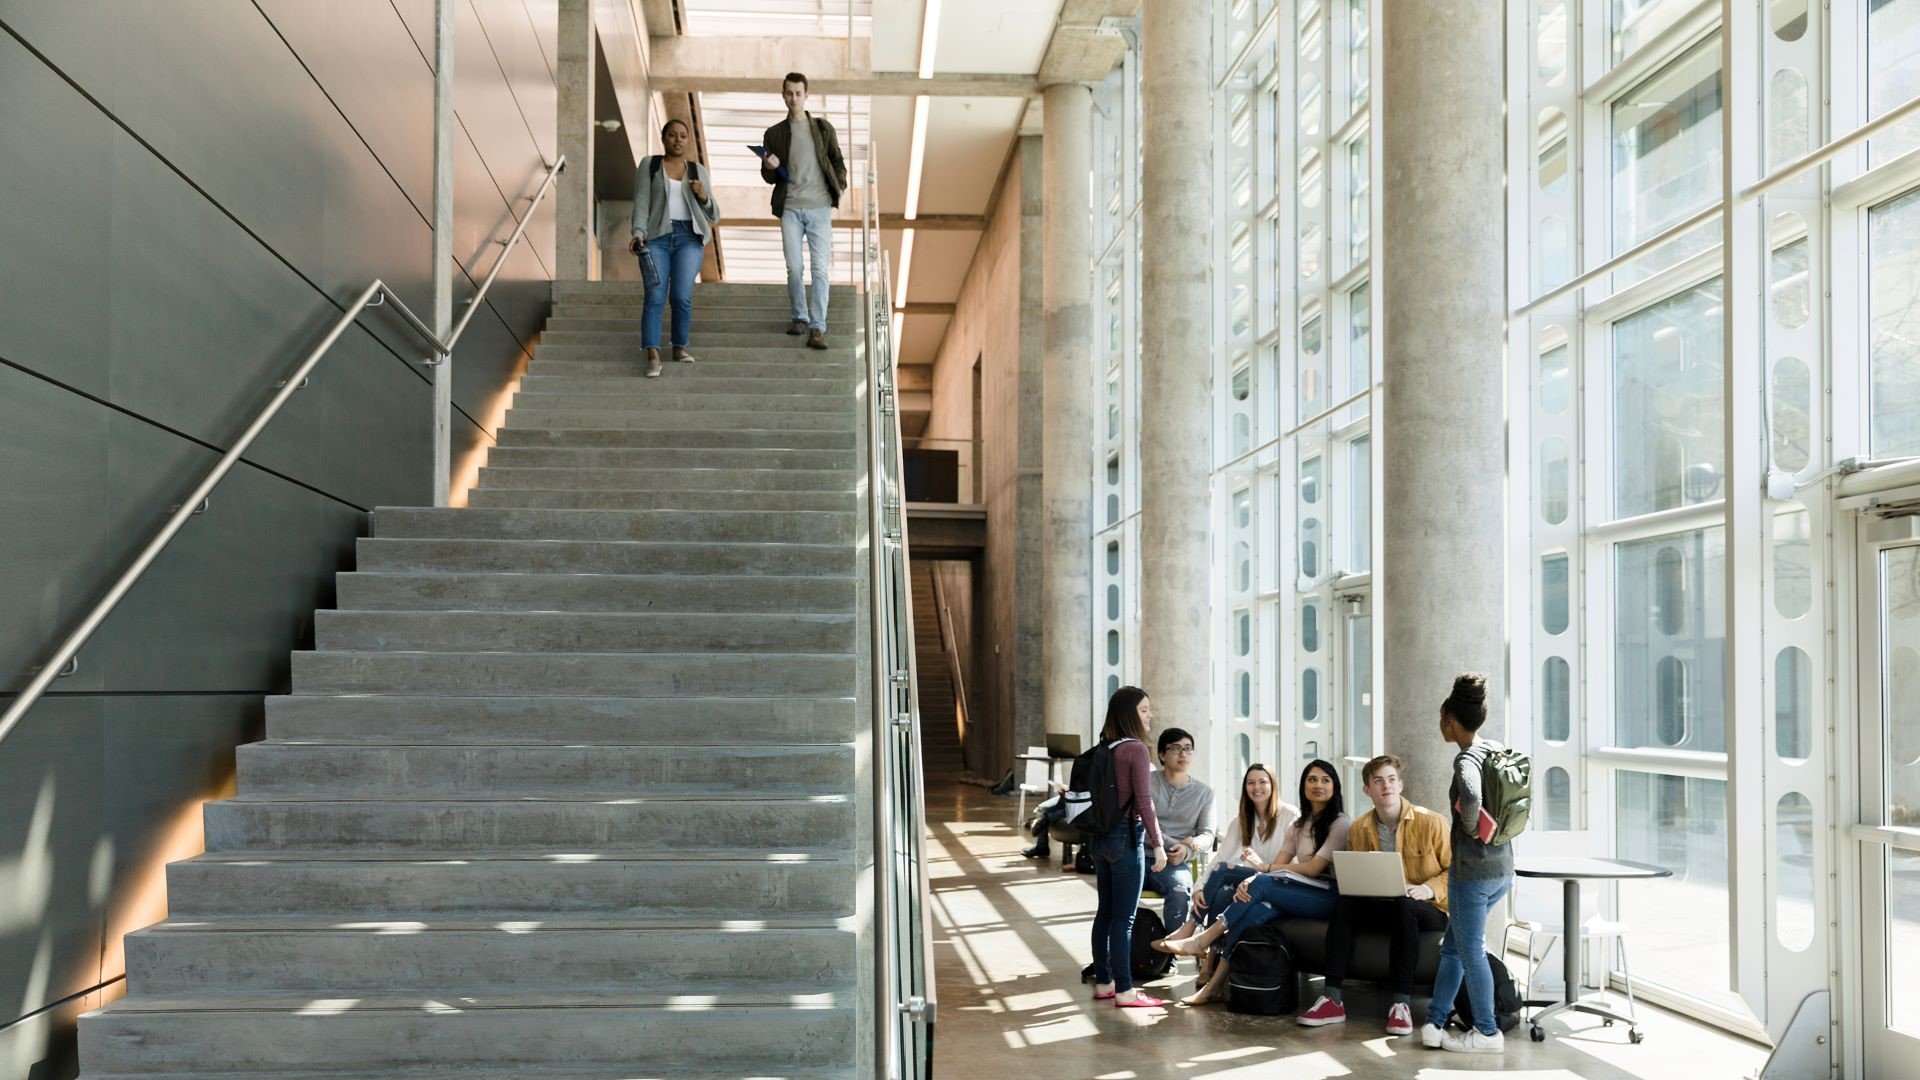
(1306, 941)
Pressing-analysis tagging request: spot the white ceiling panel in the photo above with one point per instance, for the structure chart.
(922, 341)
(994, 37)
(891, 121)
(967, 141)
(896, 34)
(940, 261)
(809, 18)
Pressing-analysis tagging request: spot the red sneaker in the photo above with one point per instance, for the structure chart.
(1324, 1011)
(1400, 1019)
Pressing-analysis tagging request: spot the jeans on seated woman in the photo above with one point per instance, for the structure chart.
(1272, 897)
(1217, 893)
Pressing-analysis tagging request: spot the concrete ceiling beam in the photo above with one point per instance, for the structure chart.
(755, 64)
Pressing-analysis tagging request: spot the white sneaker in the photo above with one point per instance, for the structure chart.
(1431, 1037)
(1472, 1042)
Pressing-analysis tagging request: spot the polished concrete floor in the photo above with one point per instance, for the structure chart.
(1010, 938)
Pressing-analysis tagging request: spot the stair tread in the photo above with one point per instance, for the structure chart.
(578, 799)
(505, 923)
(388, 856)
(787, 997)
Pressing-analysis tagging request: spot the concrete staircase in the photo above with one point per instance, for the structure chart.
(933, 683)
(567, 786)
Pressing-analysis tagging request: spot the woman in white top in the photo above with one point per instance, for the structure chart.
(1249, 846)
(1298, 882)
(673, 215)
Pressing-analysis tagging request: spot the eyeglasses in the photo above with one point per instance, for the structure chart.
(1179, 749)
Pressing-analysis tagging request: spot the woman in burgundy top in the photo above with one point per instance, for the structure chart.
(1119, 856)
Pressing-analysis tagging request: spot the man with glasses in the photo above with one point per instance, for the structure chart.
(1185, 808)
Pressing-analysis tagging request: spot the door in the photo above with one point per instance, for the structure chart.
(1886, 835)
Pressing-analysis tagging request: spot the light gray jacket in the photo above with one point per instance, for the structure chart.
(650, 201)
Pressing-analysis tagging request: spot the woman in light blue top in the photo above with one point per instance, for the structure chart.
(673, 217)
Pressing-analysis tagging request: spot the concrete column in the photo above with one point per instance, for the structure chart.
(1067, 465)
(1441, 254)
(574, 241)
(1176, 371)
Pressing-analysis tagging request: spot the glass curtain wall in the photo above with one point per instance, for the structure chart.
(1620, 481)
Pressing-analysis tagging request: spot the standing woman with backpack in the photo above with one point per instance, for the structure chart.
(673, 216)
(1120, 844)
(1480, 875)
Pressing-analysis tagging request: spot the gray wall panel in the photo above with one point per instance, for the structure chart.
(53, 868)
(211, 180)
(361, 54)
(61, 247)
(54, 520)
(262, 538)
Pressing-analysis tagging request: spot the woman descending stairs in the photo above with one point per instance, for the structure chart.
(567, 786)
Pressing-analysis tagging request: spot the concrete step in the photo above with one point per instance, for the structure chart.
(720, 438)
(610, 1072)
(730, 291)
(663, 457)
(480, 964)
(593, 592)
(709, 337)
(402, 891)
(604, 557)
(659, 398)
(623, 319)
(631, 478)
(685, 526)
(623, 721)
(635, 632)
(561, 498)
(684, 381)
(841, 358)
(579, 825)
(428, 674)
(705, 301)
(338, 1037)
(317, 770)
(542, 414)
(786, 371)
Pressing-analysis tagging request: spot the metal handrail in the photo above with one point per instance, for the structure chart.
(904, 992)
(63, 661)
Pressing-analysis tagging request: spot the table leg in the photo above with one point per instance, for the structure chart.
(1570, 940)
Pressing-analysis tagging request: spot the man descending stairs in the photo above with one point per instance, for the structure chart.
(567, 787)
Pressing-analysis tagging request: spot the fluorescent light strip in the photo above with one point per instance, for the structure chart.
(917, 156)
(906, 270)
(929, 37)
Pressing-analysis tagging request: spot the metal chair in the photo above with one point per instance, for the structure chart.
(1595, 929)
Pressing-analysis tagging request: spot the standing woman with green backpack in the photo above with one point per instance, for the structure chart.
(1478, 878)
(1120, 820)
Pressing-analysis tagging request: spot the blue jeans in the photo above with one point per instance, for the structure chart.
(1219, 888)
(676, 258)
(1175, 883)
(1463, 952)
(1119, 864)
(1272, 898)
(816, 228)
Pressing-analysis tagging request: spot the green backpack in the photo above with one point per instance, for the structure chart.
(1506, 794)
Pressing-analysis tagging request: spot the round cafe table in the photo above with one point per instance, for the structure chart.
(1570, 871)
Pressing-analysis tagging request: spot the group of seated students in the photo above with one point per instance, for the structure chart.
(1275, 861)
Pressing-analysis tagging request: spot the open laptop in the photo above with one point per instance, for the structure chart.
(1369, 873)
(1063, 746)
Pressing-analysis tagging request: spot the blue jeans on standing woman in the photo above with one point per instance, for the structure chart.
(1119, 866)
(813, 229)
(1463, 952)
(676, 259)
(1272, 898)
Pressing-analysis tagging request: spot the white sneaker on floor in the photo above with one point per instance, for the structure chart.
(1431, 1037)
(1472, 1042)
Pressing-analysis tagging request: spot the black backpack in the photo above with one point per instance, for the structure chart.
(1506, 999)
(1261, 980)
(1093, 792)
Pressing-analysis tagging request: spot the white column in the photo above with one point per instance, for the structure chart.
(573, 193)
(1176, 367)
(1067, 407)
(1442, 268)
